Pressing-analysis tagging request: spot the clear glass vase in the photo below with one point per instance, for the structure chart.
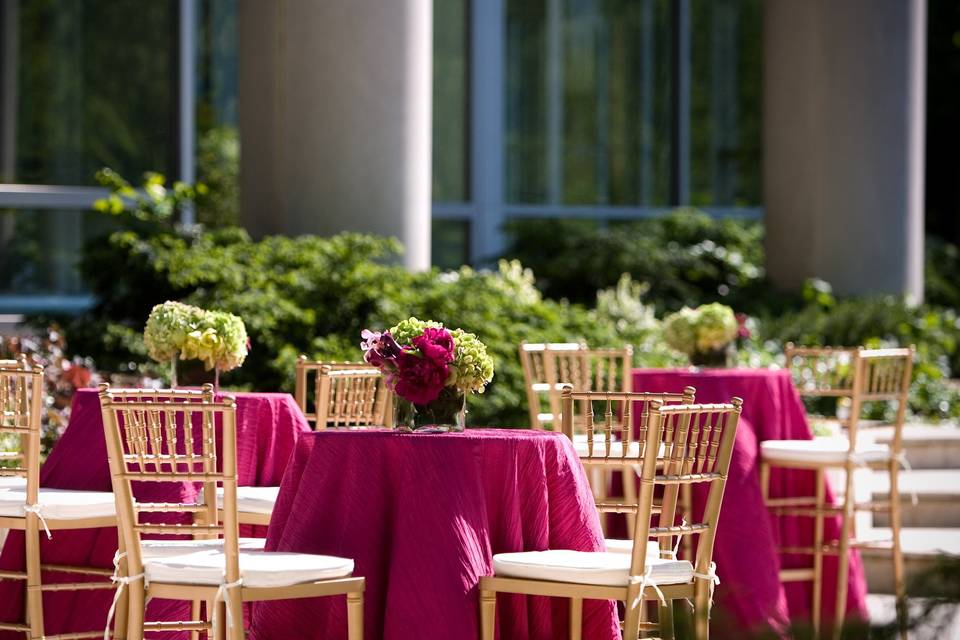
(445, 414)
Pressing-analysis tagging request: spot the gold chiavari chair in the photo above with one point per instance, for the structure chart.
(357, 399)
(696, 442)
(174, 440)
(865, 376)
(32, 509)
(540, 380)
(580, 431)
(352, 398)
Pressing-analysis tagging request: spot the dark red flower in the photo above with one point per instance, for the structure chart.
(420, 380)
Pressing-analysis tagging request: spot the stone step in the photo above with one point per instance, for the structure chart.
(937, 492)
(923, 551)
(926, 446)
(942, 621)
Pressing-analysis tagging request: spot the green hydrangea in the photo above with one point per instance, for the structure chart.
(717, 327)
(167, 328)
(707, 328)
(217, 338)
(472, 366)
(680, 330)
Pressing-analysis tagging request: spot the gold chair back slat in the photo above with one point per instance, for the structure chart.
(352, 398)
(540, 378)
(21, 405)
(345, 394)
(612, 439)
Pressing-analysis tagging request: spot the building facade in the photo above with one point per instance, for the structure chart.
(441, 122)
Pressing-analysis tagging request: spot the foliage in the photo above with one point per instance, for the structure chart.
(62, 376)
(153, 202)
(686, 257)
(218, 166)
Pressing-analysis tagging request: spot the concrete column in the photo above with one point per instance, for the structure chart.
(843, 143)
(335, 118)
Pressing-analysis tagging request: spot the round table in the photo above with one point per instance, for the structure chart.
(422, 516)
(268, 426)
(747, 560)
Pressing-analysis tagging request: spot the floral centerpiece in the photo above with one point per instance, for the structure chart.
(431, 369)
(706, 334)
(177, 331)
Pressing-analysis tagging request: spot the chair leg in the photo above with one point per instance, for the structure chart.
(137, 603)
(488, 612)
(34, 593)
(220, 620)
(576, 618)
(355, 615)
(816, 605)
(665, 621)
(898, 569)
(701, 610)
(630, 496)
(843, 558)
(235, 632)
(633, 613)
(195, 616)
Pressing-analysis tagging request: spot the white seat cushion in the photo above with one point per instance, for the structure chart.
(12, 482)
(257, 568)
(59, 504)
(586, 567)
(822, 450)
(166, 548)
(253, 499)
(581, 444)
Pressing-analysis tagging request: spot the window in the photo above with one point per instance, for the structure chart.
(91, 84)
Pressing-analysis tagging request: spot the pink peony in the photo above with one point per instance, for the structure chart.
(435, 344)
(420, 380)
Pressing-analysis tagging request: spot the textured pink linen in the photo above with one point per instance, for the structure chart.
(422, 516)
(268, 426)
(745, 552)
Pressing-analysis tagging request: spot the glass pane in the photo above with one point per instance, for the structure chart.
(218, 140)
(450, 91)
(725, 102)
(450, 243)
(589, 107)
(40, 249)
(90, 84)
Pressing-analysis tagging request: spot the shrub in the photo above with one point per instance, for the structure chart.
(686, 257)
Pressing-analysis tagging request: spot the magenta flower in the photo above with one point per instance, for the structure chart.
(419, 380)
(435, 344)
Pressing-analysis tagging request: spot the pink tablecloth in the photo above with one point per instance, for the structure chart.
(422, 516)
(750, 594)
(268, 426)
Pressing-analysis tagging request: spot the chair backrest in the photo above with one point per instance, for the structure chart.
(858, 375)
(612, 422)
(352, 398)
(308, 378)
(21, 407)
(171, 436)
(685, 445)
(882, 375)
(822, 371)
(549, 366)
